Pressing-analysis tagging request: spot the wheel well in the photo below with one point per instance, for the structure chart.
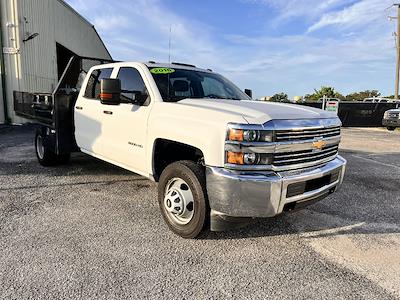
(167, 152)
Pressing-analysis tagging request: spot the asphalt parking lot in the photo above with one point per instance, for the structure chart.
(92, 230)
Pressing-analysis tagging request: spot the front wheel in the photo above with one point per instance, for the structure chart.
(45, 156)
(182, 198)
(391, 128)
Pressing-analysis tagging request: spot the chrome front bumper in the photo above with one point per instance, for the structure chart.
(257, 194)
(391, 122)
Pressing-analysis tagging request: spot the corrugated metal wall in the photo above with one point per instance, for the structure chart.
(38, 56)
(1, 83)
(34, 69)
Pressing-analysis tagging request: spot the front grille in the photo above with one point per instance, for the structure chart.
(393, 115)
(306, 134)
(304, 157)
(310, 157)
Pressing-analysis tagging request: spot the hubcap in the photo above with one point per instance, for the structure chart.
(178, 201)
(39, 146)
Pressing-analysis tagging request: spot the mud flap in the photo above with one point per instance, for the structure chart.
(222, 222)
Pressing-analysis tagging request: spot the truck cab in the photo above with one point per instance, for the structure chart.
(219, 157)
(116, 133)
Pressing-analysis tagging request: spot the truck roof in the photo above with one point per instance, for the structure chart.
(152, 64)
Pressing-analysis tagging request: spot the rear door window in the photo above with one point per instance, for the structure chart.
(93, 86)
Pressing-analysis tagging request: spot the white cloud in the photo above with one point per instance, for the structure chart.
(358, 57)
(143, 27)
(113, 23)
(299, 8)
(358, 14)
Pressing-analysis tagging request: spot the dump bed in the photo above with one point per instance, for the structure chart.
(55, 111)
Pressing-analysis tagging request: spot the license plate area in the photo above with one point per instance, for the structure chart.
(299, 188)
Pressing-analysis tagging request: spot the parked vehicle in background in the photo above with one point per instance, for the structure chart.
(218, 156)
(391, 119)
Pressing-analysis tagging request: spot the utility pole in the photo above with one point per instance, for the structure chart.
(169, 44)
(396, 89)
(397, 35)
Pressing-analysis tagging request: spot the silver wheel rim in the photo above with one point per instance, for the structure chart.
(39, 146)
(178, 201)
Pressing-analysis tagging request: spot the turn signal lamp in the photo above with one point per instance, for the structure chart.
(234, 158)
(249, 135)
(235, 135)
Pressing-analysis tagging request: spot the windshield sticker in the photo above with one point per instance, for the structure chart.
(162, 71)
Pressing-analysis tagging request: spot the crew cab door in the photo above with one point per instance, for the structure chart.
(125, 125)
(88, 114)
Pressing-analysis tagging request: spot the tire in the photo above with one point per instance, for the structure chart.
(184, 178)
(45, 156)
(391, 128)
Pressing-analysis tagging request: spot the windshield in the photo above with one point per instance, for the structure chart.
(179, 84)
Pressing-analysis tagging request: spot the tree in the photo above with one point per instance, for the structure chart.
(280, 97)
(327, 91)
(359, 96)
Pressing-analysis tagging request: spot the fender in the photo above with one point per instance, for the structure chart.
(200, 128)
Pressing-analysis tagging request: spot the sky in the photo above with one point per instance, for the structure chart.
(269, 46)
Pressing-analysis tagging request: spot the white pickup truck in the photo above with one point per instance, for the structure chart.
(219, 157)
(391, 119)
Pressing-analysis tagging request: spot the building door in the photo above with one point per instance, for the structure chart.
(63, 57)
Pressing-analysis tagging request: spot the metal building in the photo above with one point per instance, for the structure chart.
(37, 38)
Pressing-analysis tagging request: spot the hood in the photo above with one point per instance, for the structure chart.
(257, 112)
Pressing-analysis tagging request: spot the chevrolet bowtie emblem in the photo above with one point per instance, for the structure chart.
(319, 144)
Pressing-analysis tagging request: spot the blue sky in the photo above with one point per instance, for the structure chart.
(269, 46)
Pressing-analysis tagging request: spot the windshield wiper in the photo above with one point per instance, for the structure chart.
(214, 96)
(179, 98)
(232, 98)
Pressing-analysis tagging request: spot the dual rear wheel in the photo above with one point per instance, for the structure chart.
(45, 156)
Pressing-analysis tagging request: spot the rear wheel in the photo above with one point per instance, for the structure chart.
(45, 156)
(391, 128)
(182, 198)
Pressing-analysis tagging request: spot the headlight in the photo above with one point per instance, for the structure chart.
(250, 158)
(249, 135)
(239, 158)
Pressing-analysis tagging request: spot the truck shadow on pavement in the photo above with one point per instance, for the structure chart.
(79, 165)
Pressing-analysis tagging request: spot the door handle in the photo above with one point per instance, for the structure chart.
(107, 112)
(79, 107)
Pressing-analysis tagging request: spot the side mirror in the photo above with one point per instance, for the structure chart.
(140, 97)
(110, 91)
(135, 97)
(249, 93)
